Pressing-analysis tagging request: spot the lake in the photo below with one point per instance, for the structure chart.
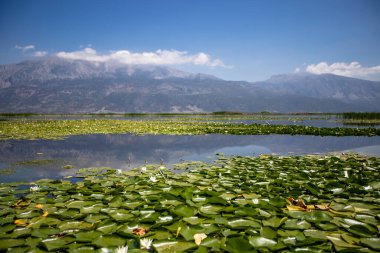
(29, 160)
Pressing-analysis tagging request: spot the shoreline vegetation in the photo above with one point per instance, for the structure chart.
(311, 203)
(60, 129)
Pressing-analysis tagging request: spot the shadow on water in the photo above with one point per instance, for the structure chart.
(25, 160)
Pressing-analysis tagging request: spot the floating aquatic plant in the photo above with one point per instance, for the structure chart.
(236, 204)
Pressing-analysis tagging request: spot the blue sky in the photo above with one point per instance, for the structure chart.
(235, 40)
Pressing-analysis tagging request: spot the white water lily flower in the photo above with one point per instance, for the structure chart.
(143, 169)
(146, 243)
(153, 179)
(35, 188)
(122, 249)
(119, 171)
(199, 237)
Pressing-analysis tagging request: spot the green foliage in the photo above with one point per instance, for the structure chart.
(59, 129)
(237, 204)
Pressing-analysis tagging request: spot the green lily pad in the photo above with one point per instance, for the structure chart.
(261, 242)
(10, 243)
(373, 243)
(275, 221)
(296, 224)
(107, 227)
(78, 204)
(164, 220)
(362, 230)
(43, 221)
(87, 236)
(193, 220)
(74, 225)
(109, 241)
(318, 216)
(173, 246)
(268, 232)
(45, 232)
(239, 245)
(148, 216)
(121, 215)
(340, 243)
(211, 209)
(184, 211)
(57, 243)
(242, 223)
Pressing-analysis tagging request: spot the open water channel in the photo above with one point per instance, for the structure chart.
(29, 160)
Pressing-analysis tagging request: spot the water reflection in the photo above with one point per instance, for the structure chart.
(31, 160)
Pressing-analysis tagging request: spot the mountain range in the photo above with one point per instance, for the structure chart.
(56, 85)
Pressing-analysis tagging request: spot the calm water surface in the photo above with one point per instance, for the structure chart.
(25, 160)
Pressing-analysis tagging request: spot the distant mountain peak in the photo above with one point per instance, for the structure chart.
(55, 68)
(54, 85)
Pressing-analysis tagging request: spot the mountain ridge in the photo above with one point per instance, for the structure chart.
(54, 85)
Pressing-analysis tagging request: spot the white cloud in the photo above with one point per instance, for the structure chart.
(25, 48)
(297, 70)
(353, 69)
(40, 53)
(159, 57)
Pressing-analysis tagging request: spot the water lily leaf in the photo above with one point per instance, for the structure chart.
(373, 243)
(268, 232)
(217, 200)
(66, 225)
(161, 235)
(340, 243)
(171, 202)
(239, 245)
(109, 241)
(95, 218)
(148, 216)
(259, 242)
(210, 209)
(318, 216)
(242, 223)
(326, 226)
(28, 214)
(85, 249)
(132, 205)
(247, 211)
(184, 211)
(277, 201)
(121, 215)
(116, 201)
(45, 232)
(193, 220)
(87, 236)
(43, 221)
(364, 230)
(275, 221)
(164, 220)
(78, 204)
(92, 209)
(10, 243)
(57, 243)
(20, 232)
(173, 246)
(188, 232)
(107, 227)
(212, 243)
(317, 234)
(296, 224)
(7, 228)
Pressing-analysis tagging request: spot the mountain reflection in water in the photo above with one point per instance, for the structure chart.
(28, 160)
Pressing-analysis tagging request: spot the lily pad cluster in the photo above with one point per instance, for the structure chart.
(236, 204)
(59, 129)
